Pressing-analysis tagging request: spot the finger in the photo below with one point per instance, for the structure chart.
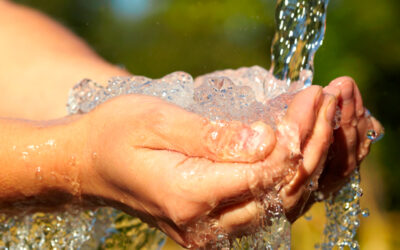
(349, 118)
(225, 183)
(173, 128)
(241, 218)
(237, 220)
(343, 82)
(363, 127)
(316, 149)
(299, 119)
(347, 99)
(378, 128)
(187, 187)
(369, 131)
(314, 152)
(360, 110)
(347, 137)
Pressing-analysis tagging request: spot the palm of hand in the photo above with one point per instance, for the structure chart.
(159, 163)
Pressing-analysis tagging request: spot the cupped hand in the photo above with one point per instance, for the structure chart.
(357, 129)
(192, 177)
(351, 141)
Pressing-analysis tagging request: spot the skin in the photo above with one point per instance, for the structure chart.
(150, 158)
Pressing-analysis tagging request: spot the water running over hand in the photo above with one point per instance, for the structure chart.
(246, 94)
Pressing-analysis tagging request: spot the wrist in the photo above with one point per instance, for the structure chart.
(42, 163)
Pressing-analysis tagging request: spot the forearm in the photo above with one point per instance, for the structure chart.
(40, 61)
(40, 164)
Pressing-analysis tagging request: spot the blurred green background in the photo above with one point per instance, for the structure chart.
(156, 37)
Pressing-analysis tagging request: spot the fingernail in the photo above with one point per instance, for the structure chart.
(331, 109)
(332, 91)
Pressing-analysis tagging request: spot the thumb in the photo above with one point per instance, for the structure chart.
(179, 130)
(299, 120)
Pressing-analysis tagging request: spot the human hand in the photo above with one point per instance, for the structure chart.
(351, 143)
(169, 167)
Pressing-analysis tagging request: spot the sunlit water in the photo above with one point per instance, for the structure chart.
(246, 94)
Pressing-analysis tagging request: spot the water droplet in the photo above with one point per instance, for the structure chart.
(365, 212)
(367, 113)
(337, 118)
(72, 161)
(359, 192)
(307, 216)
(371, 134)
(38, 173)
(354, 123)
(313, 185)
(214, 135)
(319, 196)
(25, 155)
(221, 237)
(50, 142)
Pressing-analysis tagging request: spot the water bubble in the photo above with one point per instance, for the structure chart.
(214, 135)
(337, 118)
(367, 113)
(300, 31)
(319, 196)
(25, 155)
(307, 216)
(371, 134)
(354, 123)
(38, 173)
(359, 191)
(342, 211)
(365, 212)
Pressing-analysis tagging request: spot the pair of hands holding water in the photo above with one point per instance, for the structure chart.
(161, 162)
(153, 159)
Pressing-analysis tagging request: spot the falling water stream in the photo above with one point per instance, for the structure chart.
(245, 94)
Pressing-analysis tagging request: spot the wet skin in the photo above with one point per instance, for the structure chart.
(148, 157)
(160, 163)
(165, 165)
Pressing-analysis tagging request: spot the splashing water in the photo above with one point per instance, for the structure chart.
(246, 94)
(214, 93)
(300, 30)
(342, 213)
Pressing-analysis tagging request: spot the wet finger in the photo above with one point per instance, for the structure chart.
(241, 218)
(331, 90)
(360, 109)
(300, 118)
(314, 152)
(236, 142)
(173, 128)
(316, 149)
(347, 99)
(378, 128)
(370, 131)
(364, 127)
(226, 183)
